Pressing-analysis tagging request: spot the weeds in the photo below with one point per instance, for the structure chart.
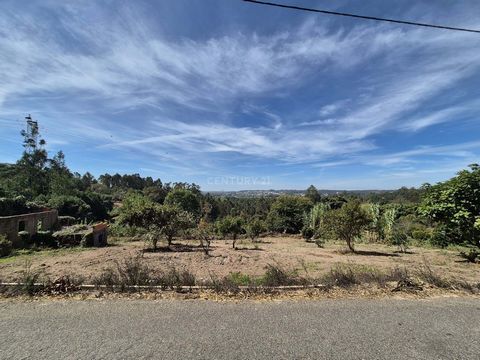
(223, 285)
(426, 274)
(277, 276)
(28, 279)
(342, 276)
(175, 279)
(133, 272)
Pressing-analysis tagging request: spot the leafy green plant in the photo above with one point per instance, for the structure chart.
(389, 220)
(399, 239)
(455, 205)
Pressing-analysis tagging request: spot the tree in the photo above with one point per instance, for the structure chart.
(254, 228)
(185, 199)
(172, 221)
(230, 226)
(155, 193)
(455, 205)
(348, 222)
(136, 210)
(206, 234)
(287, 213)
(313, 194)
(32, 175)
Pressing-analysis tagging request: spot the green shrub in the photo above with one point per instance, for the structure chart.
(399, 239)
(421, 235)
(70, 206)
(439, 237)
(240, 279)
(6, 246)
(254, 228)
(277, 276)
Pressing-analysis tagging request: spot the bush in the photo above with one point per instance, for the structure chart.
(127, 273)
(277, 276)
(17, 205)
(70, 206)
(399, 239)
(421, 235)
(439, 237)
(240, 279)
(66, 220)
(6, 246)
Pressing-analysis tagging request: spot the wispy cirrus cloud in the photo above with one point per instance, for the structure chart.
(298, 95)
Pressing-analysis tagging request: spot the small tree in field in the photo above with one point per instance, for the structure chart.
(168, 221)
(254, 228)
(206, 234)
(230, 226)
(348, 222)
(174, 221)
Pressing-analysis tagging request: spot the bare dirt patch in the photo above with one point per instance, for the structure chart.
(291, 253)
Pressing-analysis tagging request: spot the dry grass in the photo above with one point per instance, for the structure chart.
(304, 259)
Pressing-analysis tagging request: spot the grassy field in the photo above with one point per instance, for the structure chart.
(290, 253)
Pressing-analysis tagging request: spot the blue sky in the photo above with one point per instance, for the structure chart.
(231, 95)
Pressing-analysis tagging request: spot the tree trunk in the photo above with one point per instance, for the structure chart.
(350, 245)
(234, 241)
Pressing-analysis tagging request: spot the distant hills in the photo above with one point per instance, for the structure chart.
(260, 193)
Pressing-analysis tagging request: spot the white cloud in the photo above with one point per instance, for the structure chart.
(125, 63)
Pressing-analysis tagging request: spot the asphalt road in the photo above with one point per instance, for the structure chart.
(184, 329)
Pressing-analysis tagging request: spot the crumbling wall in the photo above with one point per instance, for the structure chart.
(10, 225)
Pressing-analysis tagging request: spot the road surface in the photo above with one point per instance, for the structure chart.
(446, 328)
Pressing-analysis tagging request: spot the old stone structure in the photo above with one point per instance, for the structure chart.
(10, 226)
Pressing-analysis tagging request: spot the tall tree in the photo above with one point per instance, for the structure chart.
(31, 166)
(313, 194)
(455, 204)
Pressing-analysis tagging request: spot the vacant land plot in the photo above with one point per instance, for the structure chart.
(291, 253)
